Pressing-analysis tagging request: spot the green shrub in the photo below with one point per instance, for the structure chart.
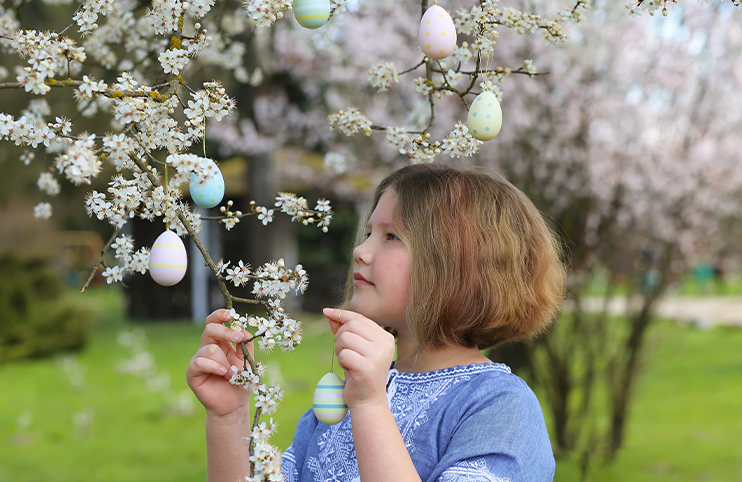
(36, 318)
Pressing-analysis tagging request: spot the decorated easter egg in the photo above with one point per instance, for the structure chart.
(311, 13)
(437, 34)
(485, 116)
(168, 259)
(329, 404)
(207, 193)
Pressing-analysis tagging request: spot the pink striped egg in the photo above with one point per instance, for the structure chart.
(328, 402)
(168, 259)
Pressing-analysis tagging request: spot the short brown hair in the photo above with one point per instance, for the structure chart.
(485, 267)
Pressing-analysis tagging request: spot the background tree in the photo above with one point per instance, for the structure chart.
(143, 77)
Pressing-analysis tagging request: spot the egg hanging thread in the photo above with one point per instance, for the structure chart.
(328, 401)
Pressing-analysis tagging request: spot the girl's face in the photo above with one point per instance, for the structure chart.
(381, 269)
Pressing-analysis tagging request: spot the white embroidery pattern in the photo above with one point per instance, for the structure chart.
(470, 471)
(288, 466)
(336, 461)
(410, 410)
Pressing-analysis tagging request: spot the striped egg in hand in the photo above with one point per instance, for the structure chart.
(329, 404)
(485, 116)
(168, 259)
(207, 193)
(437, 34)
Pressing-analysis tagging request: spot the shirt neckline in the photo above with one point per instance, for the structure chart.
(455, 370)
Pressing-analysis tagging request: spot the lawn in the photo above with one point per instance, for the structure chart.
(103, 425)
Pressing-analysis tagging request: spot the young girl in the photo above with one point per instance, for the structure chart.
(448, 263)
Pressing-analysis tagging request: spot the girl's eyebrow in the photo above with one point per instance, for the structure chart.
(382, 224)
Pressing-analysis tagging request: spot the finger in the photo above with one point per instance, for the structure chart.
(351, 361)
(333, 316)
(201, 366)
(349, 340)
(218, 316)
(215, 356)
(218, 333)
(363, 327)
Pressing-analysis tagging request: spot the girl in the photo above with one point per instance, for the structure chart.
(449, 263)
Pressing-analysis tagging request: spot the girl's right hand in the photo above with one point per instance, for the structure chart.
(209, 371)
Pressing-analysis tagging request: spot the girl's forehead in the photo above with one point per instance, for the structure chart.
(382, 213)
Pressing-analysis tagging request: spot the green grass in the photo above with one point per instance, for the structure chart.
(685, 424)
(690, 285)
(687, 413)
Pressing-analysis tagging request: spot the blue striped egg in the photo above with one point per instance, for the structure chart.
(329, 404)
(485, 116)
(311, 13)
(168, 259)
(207, 193)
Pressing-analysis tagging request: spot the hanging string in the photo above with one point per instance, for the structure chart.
(167, 200)
(332, 357)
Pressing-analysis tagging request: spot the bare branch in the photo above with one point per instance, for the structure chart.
(100, 258)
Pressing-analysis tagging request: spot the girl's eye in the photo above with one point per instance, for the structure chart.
(392, 237)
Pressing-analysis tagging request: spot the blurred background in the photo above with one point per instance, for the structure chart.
(629, 145)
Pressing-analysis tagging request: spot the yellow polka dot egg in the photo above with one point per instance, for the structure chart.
(168, 259)
(485, 117)
(207, 186)
(437, 35)
(329, 404)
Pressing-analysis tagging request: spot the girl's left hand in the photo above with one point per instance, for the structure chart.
(365, 351)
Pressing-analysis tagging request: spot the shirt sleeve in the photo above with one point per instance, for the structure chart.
(294, 456)
(499, 435)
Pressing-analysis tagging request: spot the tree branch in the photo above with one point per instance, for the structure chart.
(100, 258)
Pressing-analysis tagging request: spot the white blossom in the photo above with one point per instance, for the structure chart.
(423, 86)
(113, 274)
(48, 184)
(42, 211)
(350, 122)
(381, 75)
(239, 274)
(265, 216)
(336, 162)
(173, 61)
(397, 137)
(264, 13)
(460, 143)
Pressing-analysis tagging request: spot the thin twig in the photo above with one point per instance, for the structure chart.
(248, 301)
(100, 258)
(413, 68)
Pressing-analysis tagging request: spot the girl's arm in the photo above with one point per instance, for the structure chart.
(227, 453)
(227, 407)
(365, 351)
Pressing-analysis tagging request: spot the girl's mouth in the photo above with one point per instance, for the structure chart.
(359, 280)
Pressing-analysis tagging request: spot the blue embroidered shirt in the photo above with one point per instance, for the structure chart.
(473, 423)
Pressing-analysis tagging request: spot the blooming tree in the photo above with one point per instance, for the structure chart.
(160, 112)
(636, 160)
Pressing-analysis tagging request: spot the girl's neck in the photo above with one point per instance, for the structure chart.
(438, 358)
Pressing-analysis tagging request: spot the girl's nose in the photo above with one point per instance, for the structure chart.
(362, 253)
